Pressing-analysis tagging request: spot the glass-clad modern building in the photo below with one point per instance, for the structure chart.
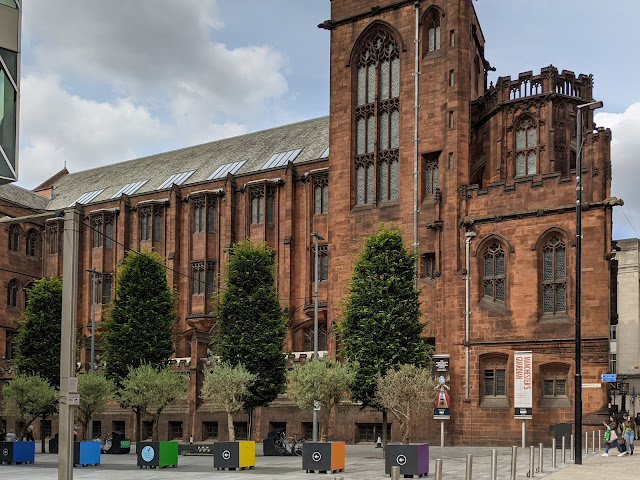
(10, 24)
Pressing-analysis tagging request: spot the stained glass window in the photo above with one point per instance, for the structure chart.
(321, 194)
(271, 201)
(494, 273)
(554, 282)
(377, 114)
(157, 224)
(211, 215)
(108, 231)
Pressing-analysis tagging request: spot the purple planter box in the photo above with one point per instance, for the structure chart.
(412, 459)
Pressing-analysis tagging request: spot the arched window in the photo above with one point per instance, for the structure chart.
(494, 273)
(554, 278)
(12, 293)
(377, 115)
(493, 371)
(14, 234)
(32, 243)
(432, 30)
(526, 148)
(554, 385)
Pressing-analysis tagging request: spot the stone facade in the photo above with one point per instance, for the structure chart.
(495, 173)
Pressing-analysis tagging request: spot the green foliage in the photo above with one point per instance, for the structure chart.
(324, 380)
(407, 392)
(141, 320)
(148, 390)
(29, 397)
(381, 326)
(38, 340)
(225, 388)
(95, 390)
(251, 323)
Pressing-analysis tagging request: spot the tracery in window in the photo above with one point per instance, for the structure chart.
(203, 277)
(431, 176)
(14, 235)
(52, 238)
(257, 205)
(321, 194)
(32, 243)
(554, 281)
(554, 385)
(433, 31)
(97, 230)
(157, 223)
(199, 222)
(12, 293)
(307, 338)
(494, 273)
(377, 107)
(271, 203)
(526, 148)
(323, 263)
(145, 223)
(109, 221)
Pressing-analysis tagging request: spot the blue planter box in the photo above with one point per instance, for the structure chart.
(17, 452)
(86, 453)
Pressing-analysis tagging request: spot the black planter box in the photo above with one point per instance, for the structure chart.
(323, 457)
(412, 459)
(234, 455)
(17, 452)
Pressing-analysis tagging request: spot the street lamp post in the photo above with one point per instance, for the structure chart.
(315, 327)
(578, 377)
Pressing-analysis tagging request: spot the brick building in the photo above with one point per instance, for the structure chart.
(474, 174)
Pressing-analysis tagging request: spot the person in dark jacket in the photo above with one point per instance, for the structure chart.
(612, 441)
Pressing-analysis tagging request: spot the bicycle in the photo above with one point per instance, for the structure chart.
(288, 445)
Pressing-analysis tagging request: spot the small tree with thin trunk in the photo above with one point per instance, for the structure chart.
(324, 380)
(29, 397)
(225, 388)
(407, 392)
(94, 390)
(147, 391)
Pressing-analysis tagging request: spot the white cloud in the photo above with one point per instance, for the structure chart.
(625, 148)
(155, 50)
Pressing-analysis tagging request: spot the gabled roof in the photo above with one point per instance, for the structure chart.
(312, 136)
(23, 197)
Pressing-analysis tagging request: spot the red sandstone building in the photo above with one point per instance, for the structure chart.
(495, 172)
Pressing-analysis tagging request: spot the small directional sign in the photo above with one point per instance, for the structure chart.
(608, 377)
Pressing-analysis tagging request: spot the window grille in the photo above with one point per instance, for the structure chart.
(554, 383)
(175, 430)
(429, 266)
(431, 172)
(495, 382)
(377, 106)
(526, 149)
(321, 194)
(494, 273)
(209, 430)
(554, 282)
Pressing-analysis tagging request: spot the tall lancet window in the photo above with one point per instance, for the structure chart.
(377, 118)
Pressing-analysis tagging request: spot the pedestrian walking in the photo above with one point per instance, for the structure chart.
(629, 432)
(30, 436)
(611, 437)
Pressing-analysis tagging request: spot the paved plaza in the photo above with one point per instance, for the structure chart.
(363, 462)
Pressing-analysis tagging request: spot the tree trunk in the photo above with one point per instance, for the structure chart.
(42, 442)
(156, 420)
(406, 434)
(138, 425)
(324, 430)
(385, 420)
(250, 424)
(232, 432)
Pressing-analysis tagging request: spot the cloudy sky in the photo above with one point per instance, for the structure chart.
(107, 81)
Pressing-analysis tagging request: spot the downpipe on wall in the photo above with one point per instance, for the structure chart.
(467, 309)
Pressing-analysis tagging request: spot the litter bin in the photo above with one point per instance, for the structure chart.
(323, 457)
(157, 454)
(560, 430)
(17, 452)
(233, 455)
(86, 453)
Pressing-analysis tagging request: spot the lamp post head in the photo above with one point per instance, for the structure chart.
(591, 105)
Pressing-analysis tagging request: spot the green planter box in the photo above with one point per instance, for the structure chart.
(157, 454)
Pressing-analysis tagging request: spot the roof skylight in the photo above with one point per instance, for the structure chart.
(177, 179)
(280, 159)
(87, 197)
(223, 170)
(325, 154)
(129, 189)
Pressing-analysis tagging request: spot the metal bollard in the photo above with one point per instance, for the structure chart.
(586, 443)
(540, 457)
(494, 464)
(554, 464)
(438, 469)
(514, 461)
(571, 453)
(468, 473)
(593, 442)
(599, 440)
(532, 453)
(395, 472)
(564, 449)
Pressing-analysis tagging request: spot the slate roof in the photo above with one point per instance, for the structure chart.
(312, 136)
(21, 196)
